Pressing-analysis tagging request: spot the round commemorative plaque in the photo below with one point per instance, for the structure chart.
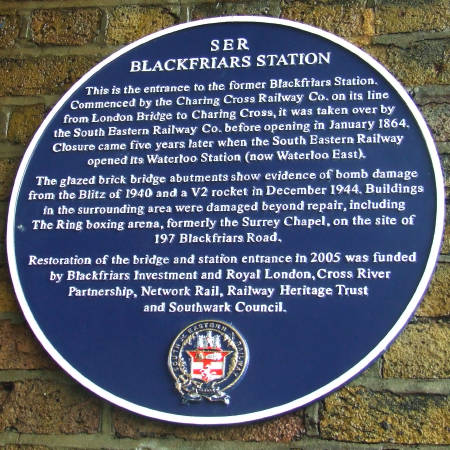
(225, 220)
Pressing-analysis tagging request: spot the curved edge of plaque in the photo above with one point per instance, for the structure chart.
(324, 390)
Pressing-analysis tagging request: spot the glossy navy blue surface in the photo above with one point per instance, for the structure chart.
(110, 341)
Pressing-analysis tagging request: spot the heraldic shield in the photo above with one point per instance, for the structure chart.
(207, 358)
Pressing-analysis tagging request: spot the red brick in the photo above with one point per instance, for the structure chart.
(446, 238)
(403, 16)
(216, 9)
(65, 26)
(437, 116)
(128, 23)
(421, 351)
(436, 302)
(350, 19)
(8, 302)
(357, 414)
(9, 30)
(281, 429)
(423, 62)
(23, 122)
(8, 169)
(19, 348)
(45, 75)
(445, 161)
(45, 407)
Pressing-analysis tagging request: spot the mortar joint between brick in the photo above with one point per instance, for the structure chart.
(6, 112)
(444, 258)
(320, 443)
(406, 39)
(320, 410)
(29, 100)
(378, 368)
(106, 423)
(429, 320)
(406, 386)
(103, 25)
(34, 52)
(24, 24)
(312, 419)
(14, 317)
(185, 13)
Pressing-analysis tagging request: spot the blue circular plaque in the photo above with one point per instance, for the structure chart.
(225, 220)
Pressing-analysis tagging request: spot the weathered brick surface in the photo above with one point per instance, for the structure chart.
(421, 351)
(354, 414)
(128, 23)
(445, 161)
(424, 62)
(3, 260)
(215, 9)
(344, 18)
(281, 429)
(8, 169)
(9, 30)
(65, 26)
(4, 272)
(45, 407)
(24, 121)
(44, 75)
(8, 302)
(3, 122)
(437, 116)
(19, 349)
(436, 302)
(402, 16)
(445, 249)
(357, 414)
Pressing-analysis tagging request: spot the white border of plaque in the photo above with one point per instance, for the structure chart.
(324, 390)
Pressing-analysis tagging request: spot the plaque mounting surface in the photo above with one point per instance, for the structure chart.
(225, 220)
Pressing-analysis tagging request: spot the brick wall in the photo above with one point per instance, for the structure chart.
(402, 400)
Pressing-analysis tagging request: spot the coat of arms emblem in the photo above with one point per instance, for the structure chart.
(206, 359)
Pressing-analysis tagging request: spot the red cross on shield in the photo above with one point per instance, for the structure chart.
(207, 365)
